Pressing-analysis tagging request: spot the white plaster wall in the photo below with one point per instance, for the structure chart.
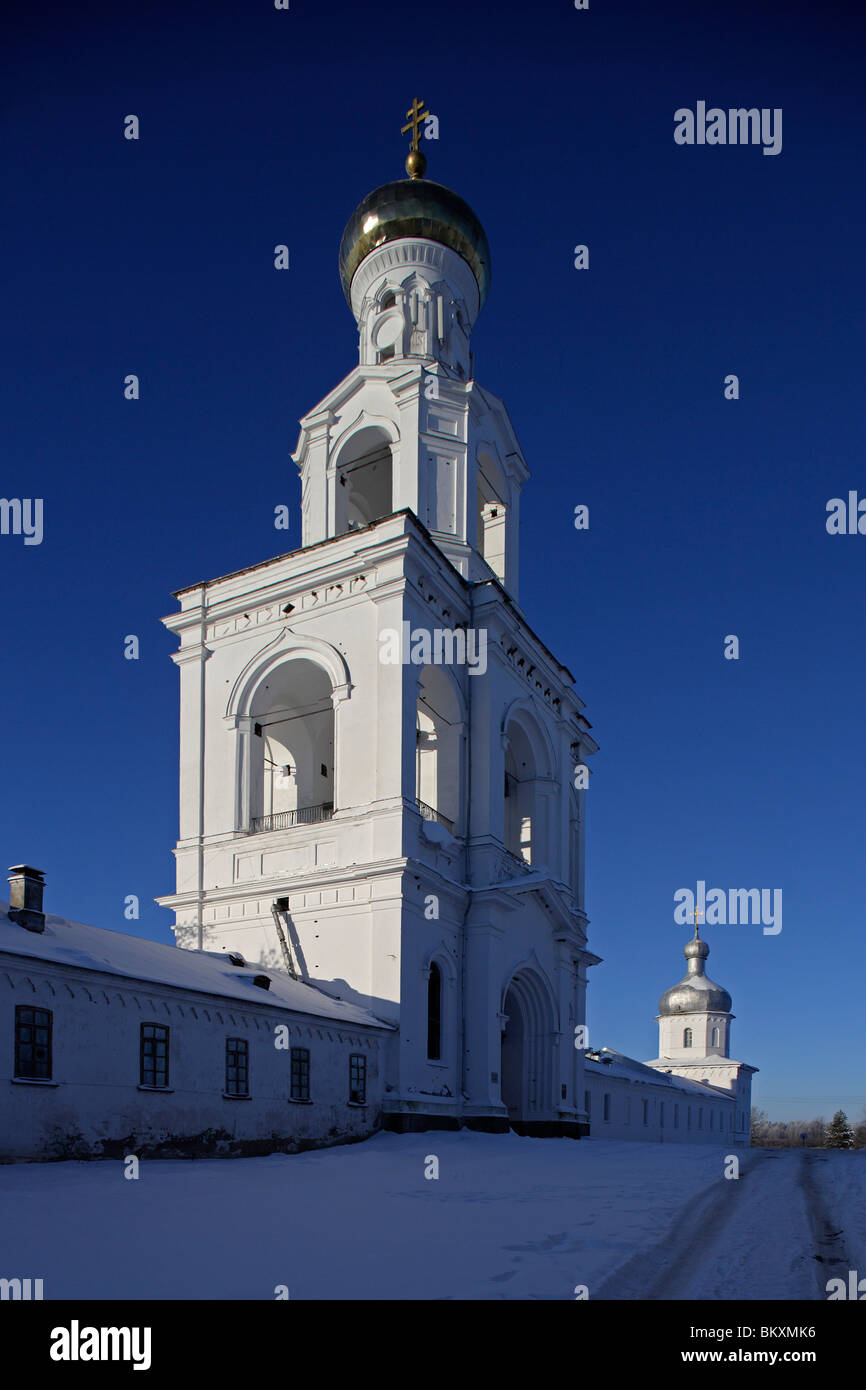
(628, 1124)
(672, 1028)
(94, 1105)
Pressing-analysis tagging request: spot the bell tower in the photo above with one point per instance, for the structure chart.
(410, 427)
(405, 834)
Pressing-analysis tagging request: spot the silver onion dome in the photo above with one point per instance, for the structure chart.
(415, 207)
(696, 993)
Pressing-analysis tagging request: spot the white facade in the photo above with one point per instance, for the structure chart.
(406, 833)
(410, 829)
(693, 1092)
(93, 1092)
(377, 803)
(627, 1101)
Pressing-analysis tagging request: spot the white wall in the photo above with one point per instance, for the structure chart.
(94, 1106)
(711, 1120)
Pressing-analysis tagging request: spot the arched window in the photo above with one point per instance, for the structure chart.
(687, 1037)
(715, 1037)
(434, 1013)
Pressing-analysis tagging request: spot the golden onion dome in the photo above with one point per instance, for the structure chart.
(415, 207)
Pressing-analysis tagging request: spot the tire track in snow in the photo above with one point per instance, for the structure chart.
(727, 1242)
(829, 1253)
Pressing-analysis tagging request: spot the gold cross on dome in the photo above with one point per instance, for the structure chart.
(416, 114)
(695, 915)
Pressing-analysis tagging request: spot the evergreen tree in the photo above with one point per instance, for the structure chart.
(839, 1134)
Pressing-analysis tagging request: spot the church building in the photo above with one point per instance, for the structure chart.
(381, 820)
(377, 749)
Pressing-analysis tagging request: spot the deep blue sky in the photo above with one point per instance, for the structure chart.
(707, 516)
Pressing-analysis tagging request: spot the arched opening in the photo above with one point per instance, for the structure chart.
(527, 1060)
(574, 843)
(687, 1037)
(438, 758)
(293, 758)
(364, 481)
(523, 828)
(512, 1069)
(434, 1013)
(715, 1037)
(491, 514)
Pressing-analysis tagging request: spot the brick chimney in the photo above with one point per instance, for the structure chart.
(25, 896)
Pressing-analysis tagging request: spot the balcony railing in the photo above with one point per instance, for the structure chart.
(516, 861)
(430, 813)
(284, 820)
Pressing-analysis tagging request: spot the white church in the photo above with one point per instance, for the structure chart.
(381, 843)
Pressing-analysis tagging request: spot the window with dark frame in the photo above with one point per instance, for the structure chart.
(358, 1079)
(32, 1043)
(237, 1067)
(434, 1013)
(300, 1073)
(154, 1054)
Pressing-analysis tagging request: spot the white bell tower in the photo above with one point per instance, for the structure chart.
(403, 835)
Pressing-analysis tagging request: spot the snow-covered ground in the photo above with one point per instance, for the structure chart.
(506, 1218)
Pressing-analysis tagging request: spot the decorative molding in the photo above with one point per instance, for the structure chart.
(287, 645)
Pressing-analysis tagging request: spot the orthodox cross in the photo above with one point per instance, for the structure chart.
(416, 114)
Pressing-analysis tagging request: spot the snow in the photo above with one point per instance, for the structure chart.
(507, 1218)
(436, 834)
(95, 948)
(629, 1069)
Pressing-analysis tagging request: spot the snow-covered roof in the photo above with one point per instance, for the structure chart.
(628, 1069)
(208, 972)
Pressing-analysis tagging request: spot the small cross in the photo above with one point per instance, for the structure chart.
(695, 914)
(416, 114)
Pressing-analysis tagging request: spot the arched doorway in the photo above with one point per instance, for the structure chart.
(527, 1061)
(512, 1057)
